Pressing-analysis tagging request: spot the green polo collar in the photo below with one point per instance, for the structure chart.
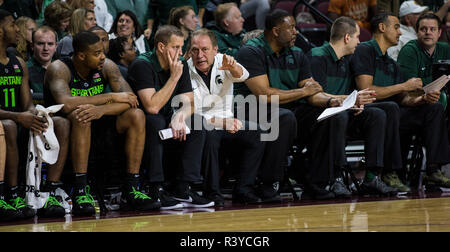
(375, 44)
(268, 49)
(152, 58)
(32, 62)
(331, 51)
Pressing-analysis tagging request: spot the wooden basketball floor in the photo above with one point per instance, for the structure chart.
(416, 213)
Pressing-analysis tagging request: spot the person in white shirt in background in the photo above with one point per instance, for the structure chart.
(212, 77)
(410, 11)
(104, 18)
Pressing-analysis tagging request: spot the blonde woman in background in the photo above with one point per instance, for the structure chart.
(26, 27)
(81, 20)
(57, 15)
(184, 18)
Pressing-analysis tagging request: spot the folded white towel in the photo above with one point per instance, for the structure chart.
(42, 147)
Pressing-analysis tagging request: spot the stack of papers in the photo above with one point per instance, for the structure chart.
(436, 85)
(349, 102)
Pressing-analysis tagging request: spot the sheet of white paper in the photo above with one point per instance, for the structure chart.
(348, 103)
(167, 133)
(436, 85)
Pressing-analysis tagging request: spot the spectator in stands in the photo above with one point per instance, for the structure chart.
(79, 83)
(330, 65)
(142, 9)
(126, 25)
(160, 80)
(57, 15)
(278, 68)
(104, 18)
(204, 63)
(447, 20)
(438, 7)
(18, 116)
(20, 8)
(416, 59)
(103, 35)
(44, 47)
(122, 53)
(82, 4)
(26, 26)
(185, 19)
(81, 20)
(360, 10)
(410, 11)
(251, 35)
(445, 37)
(164, 7)
(259, 8)
(420, 115)
(229, 28)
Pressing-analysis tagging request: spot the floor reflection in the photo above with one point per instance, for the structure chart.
(406, 213)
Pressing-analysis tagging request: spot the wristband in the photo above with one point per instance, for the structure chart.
(329, 101)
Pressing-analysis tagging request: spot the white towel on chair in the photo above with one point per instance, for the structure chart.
(42, 147)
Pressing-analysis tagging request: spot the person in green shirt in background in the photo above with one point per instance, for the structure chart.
(44, 47)
(417, 57)
(163, 7)
(228, 28)
(57, 15)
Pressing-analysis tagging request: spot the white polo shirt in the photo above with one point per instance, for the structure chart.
(217, 101)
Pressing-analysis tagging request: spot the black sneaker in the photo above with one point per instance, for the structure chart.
(192, 199)
(83, 204)
(315, 192)
(247, 198)
(52, 209)
(269, 194)
(218, 199)
(8, 212)
(167, 201)
(339, 189)
(141, 201)
(377, 186)
(20, 204)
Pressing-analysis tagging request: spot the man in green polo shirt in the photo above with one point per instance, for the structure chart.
(330, 65)
(420, 115)
(44, 47)
(417, 57)
(278, 68)
(228, 28)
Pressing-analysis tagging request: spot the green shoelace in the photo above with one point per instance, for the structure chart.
(6, 206)
(18, 203)
(139, 195)
(86, 198)
(52, 201)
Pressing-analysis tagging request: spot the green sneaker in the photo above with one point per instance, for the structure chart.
(438, 179)
(8, 212)
(84, 204)
(392, 180)
(52, 209)
(141, 201)
(20, 204)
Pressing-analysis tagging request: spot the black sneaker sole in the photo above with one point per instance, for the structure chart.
(129, 207)
(51, 213)
(11, 217)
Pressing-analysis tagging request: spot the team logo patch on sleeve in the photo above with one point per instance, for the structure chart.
(16, 68)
